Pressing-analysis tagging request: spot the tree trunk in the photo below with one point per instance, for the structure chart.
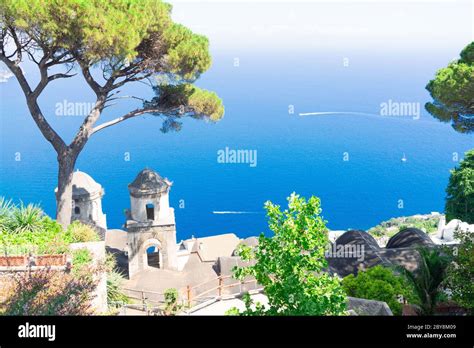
(64, 192)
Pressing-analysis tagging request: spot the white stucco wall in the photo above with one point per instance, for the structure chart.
(90, 210)
(163, 214)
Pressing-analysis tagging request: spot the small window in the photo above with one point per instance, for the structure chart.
(77, 210)
(150, 212)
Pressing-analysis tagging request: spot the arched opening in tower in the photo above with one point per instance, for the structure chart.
(153, 257)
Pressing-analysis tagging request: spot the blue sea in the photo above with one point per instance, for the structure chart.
(302, 154)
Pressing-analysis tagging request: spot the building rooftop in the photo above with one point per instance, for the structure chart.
(83, 184)
(409, 237)
(148, 182)
(358, 237)
(211, 248)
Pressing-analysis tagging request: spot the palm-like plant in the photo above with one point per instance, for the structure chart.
(6, 207)
(27, 218)
(428, 277)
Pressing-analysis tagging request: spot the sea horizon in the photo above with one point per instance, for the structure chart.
(343, 148)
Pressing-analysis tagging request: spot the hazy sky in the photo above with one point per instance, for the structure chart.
(265, 24)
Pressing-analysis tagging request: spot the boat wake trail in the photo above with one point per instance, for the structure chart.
(324, 113)
(235, 212)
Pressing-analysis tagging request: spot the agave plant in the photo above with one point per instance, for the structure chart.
(6, 208)
(26, 218)
(428, 278)
(115, 293)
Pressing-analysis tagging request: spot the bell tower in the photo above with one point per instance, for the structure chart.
(150, 223)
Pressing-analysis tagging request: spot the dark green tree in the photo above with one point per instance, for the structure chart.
(452, 91)
(460, 191)
(460, 273)
(111, 44)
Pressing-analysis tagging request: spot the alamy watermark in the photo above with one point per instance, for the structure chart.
(68, 108)
(351, 251)
(394, 108)
(37, 331)
(239, 156)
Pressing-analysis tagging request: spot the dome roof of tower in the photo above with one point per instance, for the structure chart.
(358, 237)
(148, 182)
(409, 237)
(83, 184)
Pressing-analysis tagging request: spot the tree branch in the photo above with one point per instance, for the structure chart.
(86, 129)
(18, 50)
(131, 78)
(129, 115)
(31, 99)
(88, 77)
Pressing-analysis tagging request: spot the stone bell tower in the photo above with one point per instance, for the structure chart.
(150, 224)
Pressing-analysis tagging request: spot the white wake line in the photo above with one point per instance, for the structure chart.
(235, 212)
(323, 113)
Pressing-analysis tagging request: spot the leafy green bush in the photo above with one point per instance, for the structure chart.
(171, 301)
(290, 265)
(26, 229)
(77, 232)
(81, 257)
(381, 284)
(390, 227)
(46, 238)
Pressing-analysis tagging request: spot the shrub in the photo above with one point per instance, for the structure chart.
(171, 301)
(48, 292)
(25, 229)
(381, 284)
(428, 224)
(48, 238)
(81, 258)
(78, 232)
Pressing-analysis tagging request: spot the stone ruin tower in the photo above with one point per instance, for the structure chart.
(150, 224)
(87, 201)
